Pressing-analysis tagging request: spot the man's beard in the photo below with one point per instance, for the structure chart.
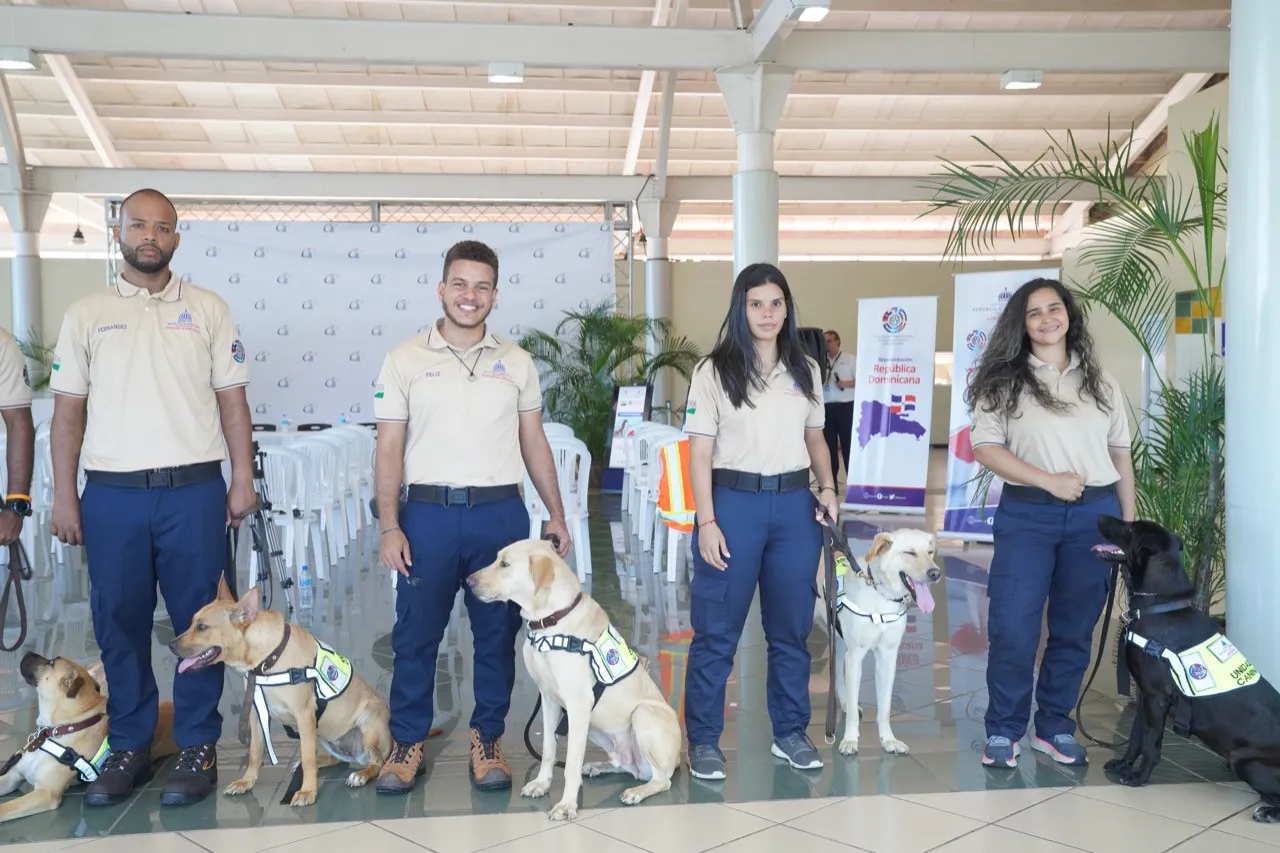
(145, 265)
(463, 320)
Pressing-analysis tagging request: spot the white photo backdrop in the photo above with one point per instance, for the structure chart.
(318, 305)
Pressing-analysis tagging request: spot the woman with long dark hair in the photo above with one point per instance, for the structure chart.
(754, 420)
(1050, 422)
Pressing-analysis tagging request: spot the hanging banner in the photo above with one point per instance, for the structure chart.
(892, 404)
(980, 297)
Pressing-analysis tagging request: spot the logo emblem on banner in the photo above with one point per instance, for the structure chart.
(976, 340)
(894, 320)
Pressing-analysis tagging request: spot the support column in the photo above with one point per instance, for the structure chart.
(658, 218)
(1252, 311)
(754, 96)
(26, 212)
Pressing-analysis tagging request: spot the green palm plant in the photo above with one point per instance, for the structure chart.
(591, 352)
(1153, 224)
(41, 356)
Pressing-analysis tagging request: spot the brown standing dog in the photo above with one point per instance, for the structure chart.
(355, 725)
(71, 715)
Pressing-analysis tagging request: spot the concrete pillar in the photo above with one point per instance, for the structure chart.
(1252, 311)
(754, 96)
(658, 218)
(26, 212)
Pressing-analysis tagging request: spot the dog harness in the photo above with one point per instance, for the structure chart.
(843, 569)
(611, 658)
(1210, 668)
(330, 676)
(43, 740)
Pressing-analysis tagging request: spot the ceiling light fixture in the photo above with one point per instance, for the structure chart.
(810, 11)
(77, 239)
(1021, 80)
(506, 72)
(18, 59)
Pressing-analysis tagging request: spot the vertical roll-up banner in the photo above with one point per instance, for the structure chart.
(980, 297)
(892, 404)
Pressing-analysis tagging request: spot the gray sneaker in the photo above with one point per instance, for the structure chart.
(1063, 749)
(1000, 752)
(798, 750)
(706, 762)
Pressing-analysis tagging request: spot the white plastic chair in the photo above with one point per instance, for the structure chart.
(553, 429)
(323, 497)
(573, 472)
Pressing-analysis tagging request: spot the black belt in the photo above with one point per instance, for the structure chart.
(1032, 495)
(158, 478)
(745, 481)
(461, 495)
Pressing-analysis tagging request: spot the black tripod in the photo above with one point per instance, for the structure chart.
(266, 542)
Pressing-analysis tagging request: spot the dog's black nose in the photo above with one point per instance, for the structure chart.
(934, 574)
(29, 665)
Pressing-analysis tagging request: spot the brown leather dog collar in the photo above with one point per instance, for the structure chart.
(271, 659)
(40, 735)
(554, 618)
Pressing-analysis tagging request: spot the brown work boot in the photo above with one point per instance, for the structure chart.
(402, 769)
(489, 770)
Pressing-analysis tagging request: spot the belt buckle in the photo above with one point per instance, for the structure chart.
(457, 496)
(771, 483)
(160, 478)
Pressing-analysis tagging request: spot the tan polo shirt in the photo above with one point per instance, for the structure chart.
(768, 439)
(1075, 441)
(151, 365)
(461, 431)
(15, 384)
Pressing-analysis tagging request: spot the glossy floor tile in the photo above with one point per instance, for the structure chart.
(937, 797)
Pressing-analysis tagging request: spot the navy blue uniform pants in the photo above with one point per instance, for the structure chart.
(134, 539)
(773, 541)
(838, 431)
(1042, 553)
(447, 545)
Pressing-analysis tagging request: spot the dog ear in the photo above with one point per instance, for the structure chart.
(74, 688)
(224, 591)
(879, 545)
(247, 608)
(543, 571)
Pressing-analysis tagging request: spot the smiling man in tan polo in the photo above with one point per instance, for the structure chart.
(149, 378)
(459, 418)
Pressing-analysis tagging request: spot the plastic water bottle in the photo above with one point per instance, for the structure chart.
(342, 419)
(284, 423)
(306, 594)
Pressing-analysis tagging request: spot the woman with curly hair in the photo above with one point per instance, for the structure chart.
(1050, 422)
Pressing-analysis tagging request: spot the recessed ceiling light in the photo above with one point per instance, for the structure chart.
(506, 72)
(810, 11)
(18, 59)
(1021, 80)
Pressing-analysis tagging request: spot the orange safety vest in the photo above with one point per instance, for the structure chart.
(675, 492)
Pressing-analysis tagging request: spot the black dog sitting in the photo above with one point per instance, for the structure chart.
(1177, 655)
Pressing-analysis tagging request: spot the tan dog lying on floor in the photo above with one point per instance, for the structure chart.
(72, 727)
(582, 666)
(295, 680)
(873, 610)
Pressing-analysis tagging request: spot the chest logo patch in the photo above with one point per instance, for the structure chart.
(183, 323)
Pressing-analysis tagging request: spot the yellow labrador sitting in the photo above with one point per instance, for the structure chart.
(873, 618)
(582, 666)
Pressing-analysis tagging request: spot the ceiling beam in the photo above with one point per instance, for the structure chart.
(576, 121)
(328, 40)
(769, 28)
(926, 85)
(640, 113)
(742, 8)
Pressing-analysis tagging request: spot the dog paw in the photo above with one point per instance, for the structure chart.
(848, 746)
(1131, 778)
(563, 811)
(304, 797)
(357, 780)
(596, 768)
(241, 786)
(536, 788)
(1266, 814)
(1116, 766)
(894, 746)
(631, 796)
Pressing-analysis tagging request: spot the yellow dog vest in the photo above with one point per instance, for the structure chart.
(1210, 668)
(611, 658)
(330, 676)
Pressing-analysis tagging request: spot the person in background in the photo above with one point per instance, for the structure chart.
(149, 380)
(1050, 422)
(459, 420)
(754, 422)
(837, 394)
(20, 432)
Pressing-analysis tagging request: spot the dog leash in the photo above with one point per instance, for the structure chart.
(537, 705)
(19, 571)
(1102, 647)
(833, 541)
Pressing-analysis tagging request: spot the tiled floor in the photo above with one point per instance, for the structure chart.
(937, 798)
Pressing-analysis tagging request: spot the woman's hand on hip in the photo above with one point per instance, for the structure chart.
(1064, 487)
(712, 547)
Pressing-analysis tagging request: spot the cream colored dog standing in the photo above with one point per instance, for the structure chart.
(632, 721)
(873, 610)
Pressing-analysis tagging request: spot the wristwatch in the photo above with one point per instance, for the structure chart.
(21, 504)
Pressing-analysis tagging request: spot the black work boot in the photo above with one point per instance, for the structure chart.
(121, 773)
(194, 775)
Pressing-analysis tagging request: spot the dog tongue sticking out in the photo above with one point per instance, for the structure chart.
(204, 658)
(924, 597)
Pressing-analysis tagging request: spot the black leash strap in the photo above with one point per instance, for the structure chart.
(19, 571)
(833, 541)
(1102, 647)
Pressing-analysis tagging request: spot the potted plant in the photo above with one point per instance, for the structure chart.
(589, 353)
(39, 360)
(1151, 224)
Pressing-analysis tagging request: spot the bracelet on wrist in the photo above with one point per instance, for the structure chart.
(387, 530)
(705, 523)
